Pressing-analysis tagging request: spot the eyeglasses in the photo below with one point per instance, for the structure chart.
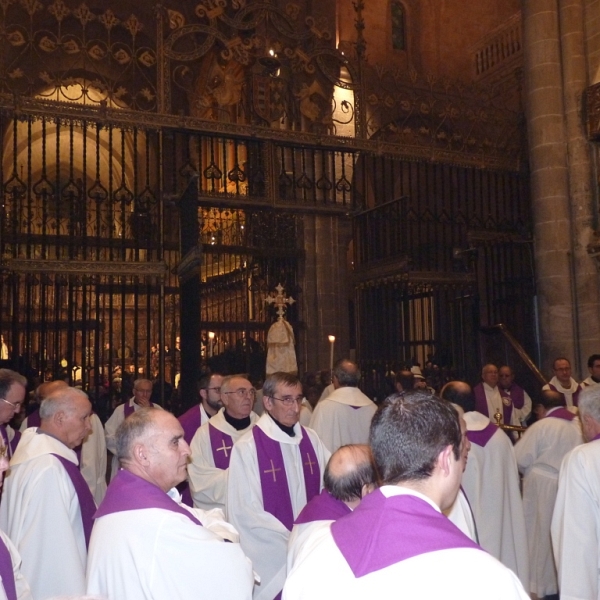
(243, 392)
(16, 406)
(289, 400)
(217, 389)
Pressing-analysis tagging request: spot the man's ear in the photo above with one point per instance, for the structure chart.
(59, 417)
(444, 461)
(140, 454)
(267, 403)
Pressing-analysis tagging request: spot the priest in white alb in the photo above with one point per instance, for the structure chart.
(491, 485)
(47, 507)
(539, 454)
(576, 519)
(212, 444)
(146, 544)
(564, 384)
(345, 415)
(275, 469)
(593, 364)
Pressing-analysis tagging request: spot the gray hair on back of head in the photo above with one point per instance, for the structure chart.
(60, 400)
(589, 402)
(132, 429)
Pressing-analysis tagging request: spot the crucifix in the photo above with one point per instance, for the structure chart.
(272, 470)
(310, 463)
(224, 448)
(280, 301)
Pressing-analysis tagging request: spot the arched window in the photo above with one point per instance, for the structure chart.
(398, 25)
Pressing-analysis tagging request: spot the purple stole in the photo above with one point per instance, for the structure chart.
(482, 437)
(575, 393)
(7, 573)
(130, 492)
(517, 396)
(127, 410)
(480, 400)
(221, 445)
(382, 531)
(273, 478)
(562, 413)
(33, 420)
(12, 445)
(190, 421)
(323, 507)
(87, 505)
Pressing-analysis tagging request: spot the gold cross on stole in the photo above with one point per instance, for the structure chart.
(272, 470)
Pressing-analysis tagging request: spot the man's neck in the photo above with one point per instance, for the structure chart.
(209, 410)
(237, 424)
(285, 428)
(43, 431)
(565, 384)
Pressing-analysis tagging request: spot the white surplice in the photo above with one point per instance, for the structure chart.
(566, 392)
(157, 554)
(576, 524)
(461, 515)
(21, 585)
(208, 484)
(321, 573)
(93, 458)
(263, 537)
(41, 515)
(539, 454)
(110, 430)
(491, 483)
(344, 417)
(589, 382)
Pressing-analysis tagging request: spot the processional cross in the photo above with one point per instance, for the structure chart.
(280, 301)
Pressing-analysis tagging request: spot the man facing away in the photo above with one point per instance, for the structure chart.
(212, 444)
(146, 544)
(397, 543)
(491, 485)
(275, 469)
(92, 452)
(576, 520)
(47, 507)
(142, 390)
(564, 384)
(539, 454)
(349, 475)
(345, 415)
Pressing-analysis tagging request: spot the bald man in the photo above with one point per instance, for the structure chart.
(47, 507)
(344, 417)
(91, 453)
(349, 475)
(148, 545)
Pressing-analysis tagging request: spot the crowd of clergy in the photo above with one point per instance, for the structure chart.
(256, 494)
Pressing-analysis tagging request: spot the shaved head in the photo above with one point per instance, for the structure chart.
(348, 471)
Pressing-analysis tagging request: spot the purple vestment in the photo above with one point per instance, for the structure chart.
(12, 445)
(575, 393)
(482, 437)
(323, 507)
(562, 413)
(7, 573)
(516, 394)
(190, 421)
(481, 404)
(33, 420)
(273, 478)
(384, 531)
(130, 492)
(221, 445)
(87, 505)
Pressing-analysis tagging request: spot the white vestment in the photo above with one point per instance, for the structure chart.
(263, 537)
(208, 484)
(321, 573)
(327, 391)
(301, 535)
(494, 403)
(157, 554)
(306, 412)
(589, 382)
(21, 585)
(461, 515)
(566, 392)
(40, 513)
(344, 417)
(539, 454)
(110, 429)
(576, 524)
(93, 458)
(491, 483)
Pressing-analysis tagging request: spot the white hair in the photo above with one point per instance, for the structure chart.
(58, 400)
(589, 402)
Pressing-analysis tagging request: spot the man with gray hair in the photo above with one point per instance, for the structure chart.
(148, 545)
(576, 519)
(47, 507)
(12, 394)
(345, 415)
(142, 390)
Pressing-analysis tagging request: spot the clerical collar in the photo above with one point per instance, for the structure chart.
(52, 436)
(237, 424)
(289, 430)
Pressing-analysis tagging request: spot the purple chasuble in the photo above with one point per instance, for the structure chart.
(575, 393)
(33, 420)
(12, 445)
(87, 505)
(221, 445)
(130, 492)
(562, 413)
(480, 400)
(7, 573)
(323, 507)
(190, 421)
(127, 409)
(516, 393)
(482, 437)
(273, 478)
(382, 531)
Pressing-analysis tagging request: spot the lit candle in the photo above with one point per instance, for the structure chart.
(211, 337)
(332, 342)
